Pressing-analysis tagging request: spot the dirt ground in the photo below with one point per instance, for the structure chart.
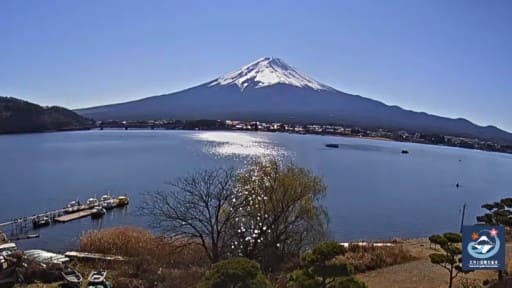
(420, 273)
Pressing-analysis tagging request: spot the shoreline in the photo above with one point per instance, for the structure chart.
(46, 131)
(239, 130)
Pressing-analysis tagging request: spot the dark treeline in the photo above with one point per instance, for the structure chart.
(18, 116)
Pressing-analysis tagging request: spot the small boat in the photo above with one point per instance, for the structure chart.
(98, 212)
(72, 277)
(405, 152)
(122, 201)
(108, 205)
(106, 198)
(92, 202)
(97, 276)
(332, 145)
(72, 207)
(40, 221)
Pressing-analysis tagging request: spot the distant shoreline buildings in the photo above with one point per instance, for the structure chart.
(312, 129)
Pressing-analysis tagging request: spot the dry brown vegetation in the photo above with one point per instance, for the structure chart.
(367, 258)
(152, 261)
(158, 262)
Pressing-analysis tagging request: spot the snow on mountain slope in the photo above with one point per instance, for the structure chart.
(271, 90)
(266, 72)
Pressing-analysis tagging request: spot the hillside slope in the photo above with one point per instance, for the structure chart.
(271, 90)
(19, 116)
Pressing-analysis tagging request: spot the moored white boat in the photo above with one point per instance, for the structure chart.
(92, 202)
(108, 204)
(98, 212)
(72, 207)
(122, 201)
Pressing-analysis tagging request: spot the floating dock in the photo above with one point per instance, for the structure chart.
(20, 226)
(73, 216)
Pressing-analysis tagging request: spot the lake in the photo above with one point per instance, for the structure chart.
(374, 191)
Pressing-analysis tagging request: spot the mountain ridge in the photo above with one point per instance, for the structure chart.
(20, 116)
(271, 90)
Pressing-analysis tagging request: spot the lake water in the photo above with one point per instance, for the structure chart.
(374, 191)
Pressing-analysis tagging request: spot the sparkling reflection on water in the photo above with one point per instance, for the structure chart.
(374, 191)
(240, 144)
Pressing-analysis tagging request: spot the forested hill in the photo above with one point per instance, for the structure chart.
(19, 116)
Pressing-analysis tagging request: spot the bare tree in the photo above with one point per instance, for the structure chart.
(268, 212)
(282, 214)
(198, 208)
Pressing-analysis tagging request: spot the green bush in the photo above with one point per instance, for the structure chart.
(348, 283)
(235, 272)
(320, 271)
(324, 252)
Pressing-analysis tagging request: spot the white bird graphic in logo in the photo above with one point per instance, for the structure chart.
(483, 245)
(486, 246)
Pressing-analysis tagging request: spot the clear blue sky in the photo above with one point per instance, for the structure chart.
(452, 58)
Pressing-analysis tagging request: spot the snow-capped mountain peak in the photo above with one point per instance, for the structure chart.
(266, 72)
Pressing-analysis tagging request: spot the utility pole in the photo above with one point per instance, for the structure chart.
(462, 218)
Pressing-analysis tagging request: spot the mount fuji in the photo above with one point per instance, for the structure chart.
(271, 90)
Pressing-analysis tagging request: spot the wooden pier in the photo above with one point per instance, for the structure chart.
(19, 226)
(73, 216)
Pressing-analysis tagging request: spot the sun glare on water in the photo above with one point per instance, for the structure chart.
(239, 144)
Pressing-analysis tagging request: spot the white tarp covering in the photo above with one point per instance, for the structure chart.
(42, 256)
